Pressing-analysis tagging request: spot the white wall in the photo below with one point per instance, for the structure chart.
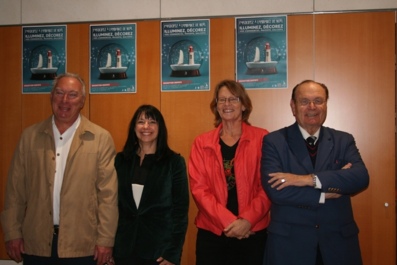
(23, 12)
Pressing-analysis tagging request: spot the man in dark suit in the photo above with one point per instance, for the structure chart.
(310, 184)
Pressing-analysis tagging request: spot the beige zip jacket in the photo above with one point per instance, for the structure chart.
(88, 207)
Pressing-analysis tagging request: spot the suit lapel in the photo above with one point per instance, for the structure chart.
(298, 147)
(325, 147)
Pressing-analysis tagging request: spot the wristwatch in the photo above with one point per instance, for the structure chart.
(314, 178)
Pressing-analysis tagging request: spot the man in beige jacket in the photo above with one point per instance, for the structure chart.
(61, 194)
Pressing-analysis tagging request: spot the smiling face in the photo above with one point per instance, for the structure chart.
(229, 110)
(146, 130)
(67, 100)
(309, 106)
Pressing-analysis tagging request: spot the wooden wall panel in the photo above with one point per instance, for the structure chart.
(354, 57)
(10, 105)
(35, 107)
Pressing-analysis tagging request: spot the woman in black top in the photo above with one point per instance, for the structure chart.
(153, 194)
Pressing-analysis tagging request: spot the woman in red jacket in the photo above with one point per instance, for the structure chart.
(224, 173)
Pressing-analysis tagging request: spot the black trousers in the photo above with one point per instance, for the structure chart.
(134, 261)
(212, 249)
(54, 259)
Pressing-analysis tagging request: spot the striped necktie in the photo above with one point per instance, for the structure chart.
(312, 148)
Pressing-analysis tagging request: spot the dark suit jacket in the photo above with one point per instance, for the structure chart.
(298, 221)
(158, 227)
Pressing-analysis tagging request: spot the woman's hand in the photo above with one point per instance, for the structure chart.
(163, 261)
(240, 229)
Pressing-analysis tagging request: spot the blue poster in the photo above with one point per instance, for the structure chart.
(185, 55)
(113, 58)
(43, 57)
(261, 60)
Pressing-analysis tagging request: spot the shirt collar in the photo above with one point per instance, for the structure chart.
(72, 128)
(305, 134)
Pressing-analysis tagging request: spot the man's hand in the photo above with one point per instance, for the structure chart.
(103, 255)
(15, 248)
(329, 195)
(348, 165)
(281, 180)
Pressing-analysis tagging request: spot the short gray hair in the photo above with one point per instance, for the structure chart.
(72, 75)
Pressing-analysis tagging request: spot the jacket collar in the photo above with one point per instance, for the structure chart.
(85, 131)
(215, 134)
(86, 126)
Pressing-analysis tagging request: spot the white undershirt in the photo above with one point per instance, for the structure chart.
(137, 190)
(62, 147)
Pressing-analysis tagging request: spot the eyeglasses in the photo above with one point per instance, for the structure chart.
(61, 94)
(231, 100)
(306, 102)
